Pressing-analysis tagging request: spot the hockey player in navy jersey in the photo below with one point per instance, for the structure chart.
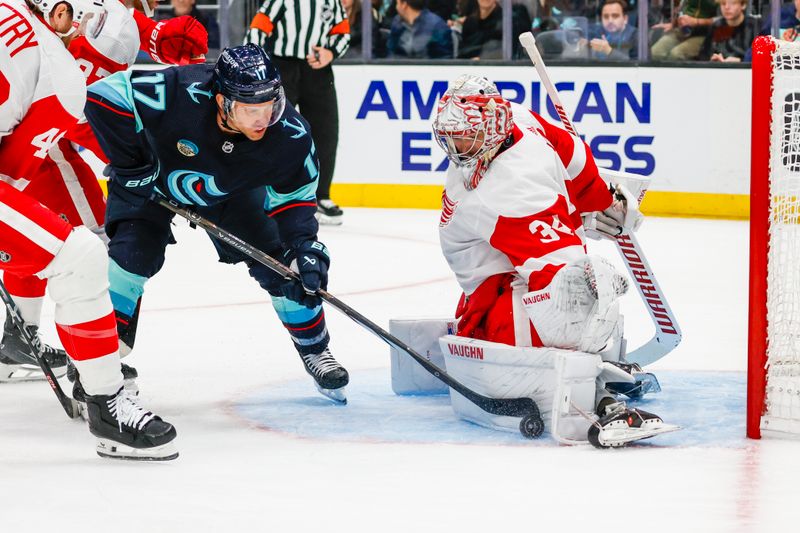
(222, 139)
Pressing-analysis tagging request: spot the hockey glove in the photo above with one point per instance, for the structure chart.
(309, 259)
(133, 186)
(472, 310)
(177, 41)
(622, 216)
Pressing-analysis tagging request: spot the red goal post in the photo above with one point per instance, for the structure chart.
(773, 381)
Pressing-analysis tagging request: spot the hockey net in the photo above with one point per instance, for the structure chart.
(773, 402)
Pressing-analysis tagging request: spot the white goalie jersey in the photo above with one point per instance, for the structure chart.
(524, 215)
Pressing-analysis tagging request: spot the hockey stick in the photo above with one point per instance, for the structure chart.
(148, 11)
(71, 407)
(667, 332)
(531, 425)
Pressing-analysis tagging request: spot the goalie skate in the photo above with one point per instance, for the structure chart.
(644, 382)
(329, 376)
(622, 425)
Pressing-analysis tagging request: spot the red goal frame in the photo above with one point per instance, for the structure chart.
(762, 88)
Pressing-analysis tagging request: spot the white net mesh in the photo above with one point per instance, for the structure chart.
(783, 278)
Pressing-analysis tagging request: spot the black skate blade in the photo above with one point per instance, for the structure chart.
(109, 449)
(336, 395)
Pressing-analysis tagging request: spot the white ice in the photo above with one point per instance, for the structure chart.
(209, 347)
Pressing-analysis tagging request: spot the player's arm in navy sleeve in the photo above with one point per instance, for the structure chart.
(292, 205)
(119, 108)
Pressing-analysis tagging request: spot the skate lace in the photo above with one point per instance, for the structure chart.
(125, 408)
(321, 363)
(50, 354)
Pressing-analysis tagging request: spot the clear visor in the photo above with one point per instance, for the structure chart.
(256, 116)
(90, 25)
(462, 148)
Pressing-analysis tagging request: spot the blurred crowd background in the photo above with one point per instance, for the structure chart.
(716, 31)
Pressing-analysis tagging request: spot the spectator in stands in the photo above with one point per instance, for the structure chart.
(209, 22)
(683, 38)
(444, 8)
(616, 39)
(352, 9)
(416, 33)
(789, 22)
(731, 35)
(482, 32)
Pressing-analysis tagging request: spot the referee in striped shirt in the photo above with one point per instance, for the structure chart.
(304, 37)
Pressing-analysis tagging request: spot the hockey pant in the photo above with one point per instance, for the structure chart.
(67, 185)
(139, 236)
(494, 312)
(34, 241)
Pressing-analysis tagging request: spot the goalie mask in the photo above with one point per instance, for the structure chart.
(87, 15)
(471, 124)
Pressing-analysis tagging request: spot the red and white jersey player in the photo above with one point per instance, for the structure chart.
(511, 226)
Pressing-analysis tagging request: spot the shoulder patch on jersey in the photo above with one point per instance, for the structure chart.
(187, 148)
(194, 92)
(298, 127)
(448, 210)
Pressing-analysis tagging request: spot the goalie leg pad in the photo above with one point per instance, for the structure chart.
(408, 376)
(562, 382)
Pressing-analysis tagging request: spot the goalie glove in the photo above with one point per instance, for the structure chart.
(622, 216)
(309, 259)
(176, 41)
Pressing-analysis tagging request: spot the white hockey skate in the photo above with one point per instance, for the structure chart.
(621, 425)
(330, 377)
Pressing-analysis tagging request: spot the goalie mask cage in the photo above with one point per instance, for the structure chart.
(773, 381)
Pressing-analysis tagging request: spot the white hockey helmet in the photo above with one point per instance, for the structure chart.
(472, 121)
(91, 13)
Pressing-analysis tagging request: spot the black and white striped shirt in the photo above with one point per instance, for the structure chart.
(297, 25)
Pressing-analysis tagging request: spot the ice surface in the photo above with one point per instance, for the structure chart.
(261, 450)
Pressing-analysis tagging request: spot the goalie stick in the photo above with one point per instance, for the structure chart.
(71, 407)
(667, 332)
(531, 425)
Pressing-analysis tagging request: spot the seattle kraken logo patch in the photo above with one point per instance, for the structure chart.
(227, 147)
(187, 148)
(193, 188)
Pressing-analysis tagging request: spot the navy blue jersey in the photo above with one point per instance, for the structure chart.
(159, 131)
